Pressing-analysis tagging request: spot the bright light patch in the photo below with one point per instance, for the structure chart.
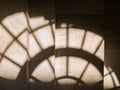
(67, 81)
(8, 70)
(31, 80)
(43, 72)
(108, 83)
(5, 39)
(34, 49)
(36, 22)
(106, 71)
(100, 52)
(63, 25)
(60, 38)
(92, 41)
(76, 66)
(117, 83)
(17, 54)
(24, 39)
(75, 38)
(15, 23)
(91, 75)
(60, 66)
(45, 37)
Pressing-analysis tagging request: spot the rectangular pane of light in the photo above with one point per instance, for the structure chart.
(91, 75)
(60, 38)
(91, 42)
(8, 69)
(45, 37)
(75, 38)
(15, 23)
(43, 72)
(76, 66)
(60, 66)
(17, 53)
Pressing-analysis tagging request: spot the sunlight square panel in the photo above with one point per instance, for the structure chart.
(91, 42)
(44, 72)
(91, 75)
(8, 69)
(60, 38)
(76, 66)
(5, 39)
(60, 66)
(75, 38)
(34, 48)
(17, 54)
(15, 23)
(45, 37)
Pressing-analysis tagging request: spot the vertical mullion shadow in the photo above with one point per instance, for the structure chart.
(67, 43)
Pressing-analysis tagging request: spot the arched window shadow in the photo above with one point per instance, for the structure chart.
(46, 53)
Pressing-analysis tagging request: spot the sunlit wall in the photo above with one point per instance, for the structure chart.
(66, 55)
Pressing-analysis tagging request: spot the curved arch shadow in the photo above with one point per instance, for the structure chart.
(46, 53)
(83, 54)
(35, 61)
